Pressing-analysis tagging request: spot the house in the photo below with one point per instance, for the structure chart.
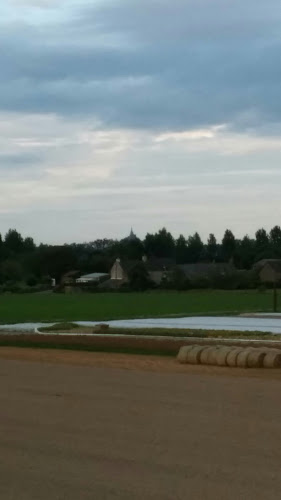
(157, 269)
(121, 269)
(206, 271)
(269, 270)
(92, 278)
(70, 277)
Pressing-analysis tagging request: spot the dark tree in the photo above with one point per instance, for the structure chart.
(181, 250)
(195, 248)
(28, 245)
(102, 245)
(212, 248)
(263, 247)
(139, 278)
(54, 261)
(99, 264)
(22, 260)
(245, 253)
(1, 248)
(228, 245)
(275, 241)
(13, 242)
(131, 249)
(160, 244)
(11, 271)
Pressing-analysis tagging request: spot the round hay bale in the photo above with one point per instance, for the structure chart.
(204, 355)
(231, 357)
(211, 356)
(221, 355)
(255, 358)
(182, 354)
(242, 358)
(193, 356)
(272, 360)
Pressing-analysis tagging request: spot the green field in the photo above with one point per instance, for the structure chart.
(62, 328)
(99, 307)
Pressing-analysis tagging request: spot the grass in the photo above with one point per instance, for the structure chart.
(79, 347)
(61, 328)
(125, 346)
(105, 306)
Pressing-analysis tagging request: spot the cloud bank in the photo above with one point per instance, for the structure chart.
(121, 113)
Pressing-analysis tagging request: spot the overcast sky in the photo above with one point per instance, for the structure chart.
(143, 113)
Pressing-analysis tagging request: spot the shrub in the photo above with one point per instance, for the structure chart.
(66, 326)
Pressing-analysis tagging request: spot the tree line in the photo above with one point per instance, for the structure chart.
(23, 262)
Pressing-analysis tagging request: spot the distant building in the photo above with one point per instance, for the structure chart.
(205, 270)
(157, 269)
(92, 278)
(269, 270)
(70, 277)
(132, 236)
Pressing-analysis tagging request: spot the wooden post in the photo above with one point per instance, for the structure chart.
(274, 297)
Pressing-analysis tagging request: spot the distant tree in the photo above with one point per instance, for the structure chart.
(1, 248)
(83, 253)
(212, 247)
(228, 245)
(131, 249)
(150, 244)
(160, 244)
(181, 250)
(54, 261)
(28, 245)
(11, 270)
(195, 248)
(139, 278)
(100, 264)
(13, 242)
(263, 247)
(102, 245)
(245, 253)
(21, 259)
(275, 241)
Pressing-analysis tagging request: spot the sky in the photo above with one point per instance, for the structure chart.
(139, 113)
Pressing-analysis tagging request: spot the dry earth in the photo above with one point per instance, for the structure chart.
(80, 425)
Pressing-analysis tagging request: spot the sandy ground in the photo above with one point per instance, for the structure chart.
(108, 426)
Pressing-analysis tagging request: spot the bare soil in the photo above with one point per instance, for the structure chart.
(134, 362)
(112, 426)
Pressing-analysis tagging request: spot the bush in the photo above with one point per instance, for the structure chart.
(139, 278)
(31, 280)
(201, 283)
(60, 326)
(21, 287)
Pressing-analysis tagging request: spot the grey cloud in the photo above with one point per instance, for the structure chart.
(189, 19)
(8, 161)
(180, 64)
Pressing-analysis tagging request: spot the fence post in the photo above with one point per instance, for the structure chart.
(274, 297)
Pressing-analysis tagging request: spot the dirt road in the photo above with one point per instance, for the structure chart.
(100, 427)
